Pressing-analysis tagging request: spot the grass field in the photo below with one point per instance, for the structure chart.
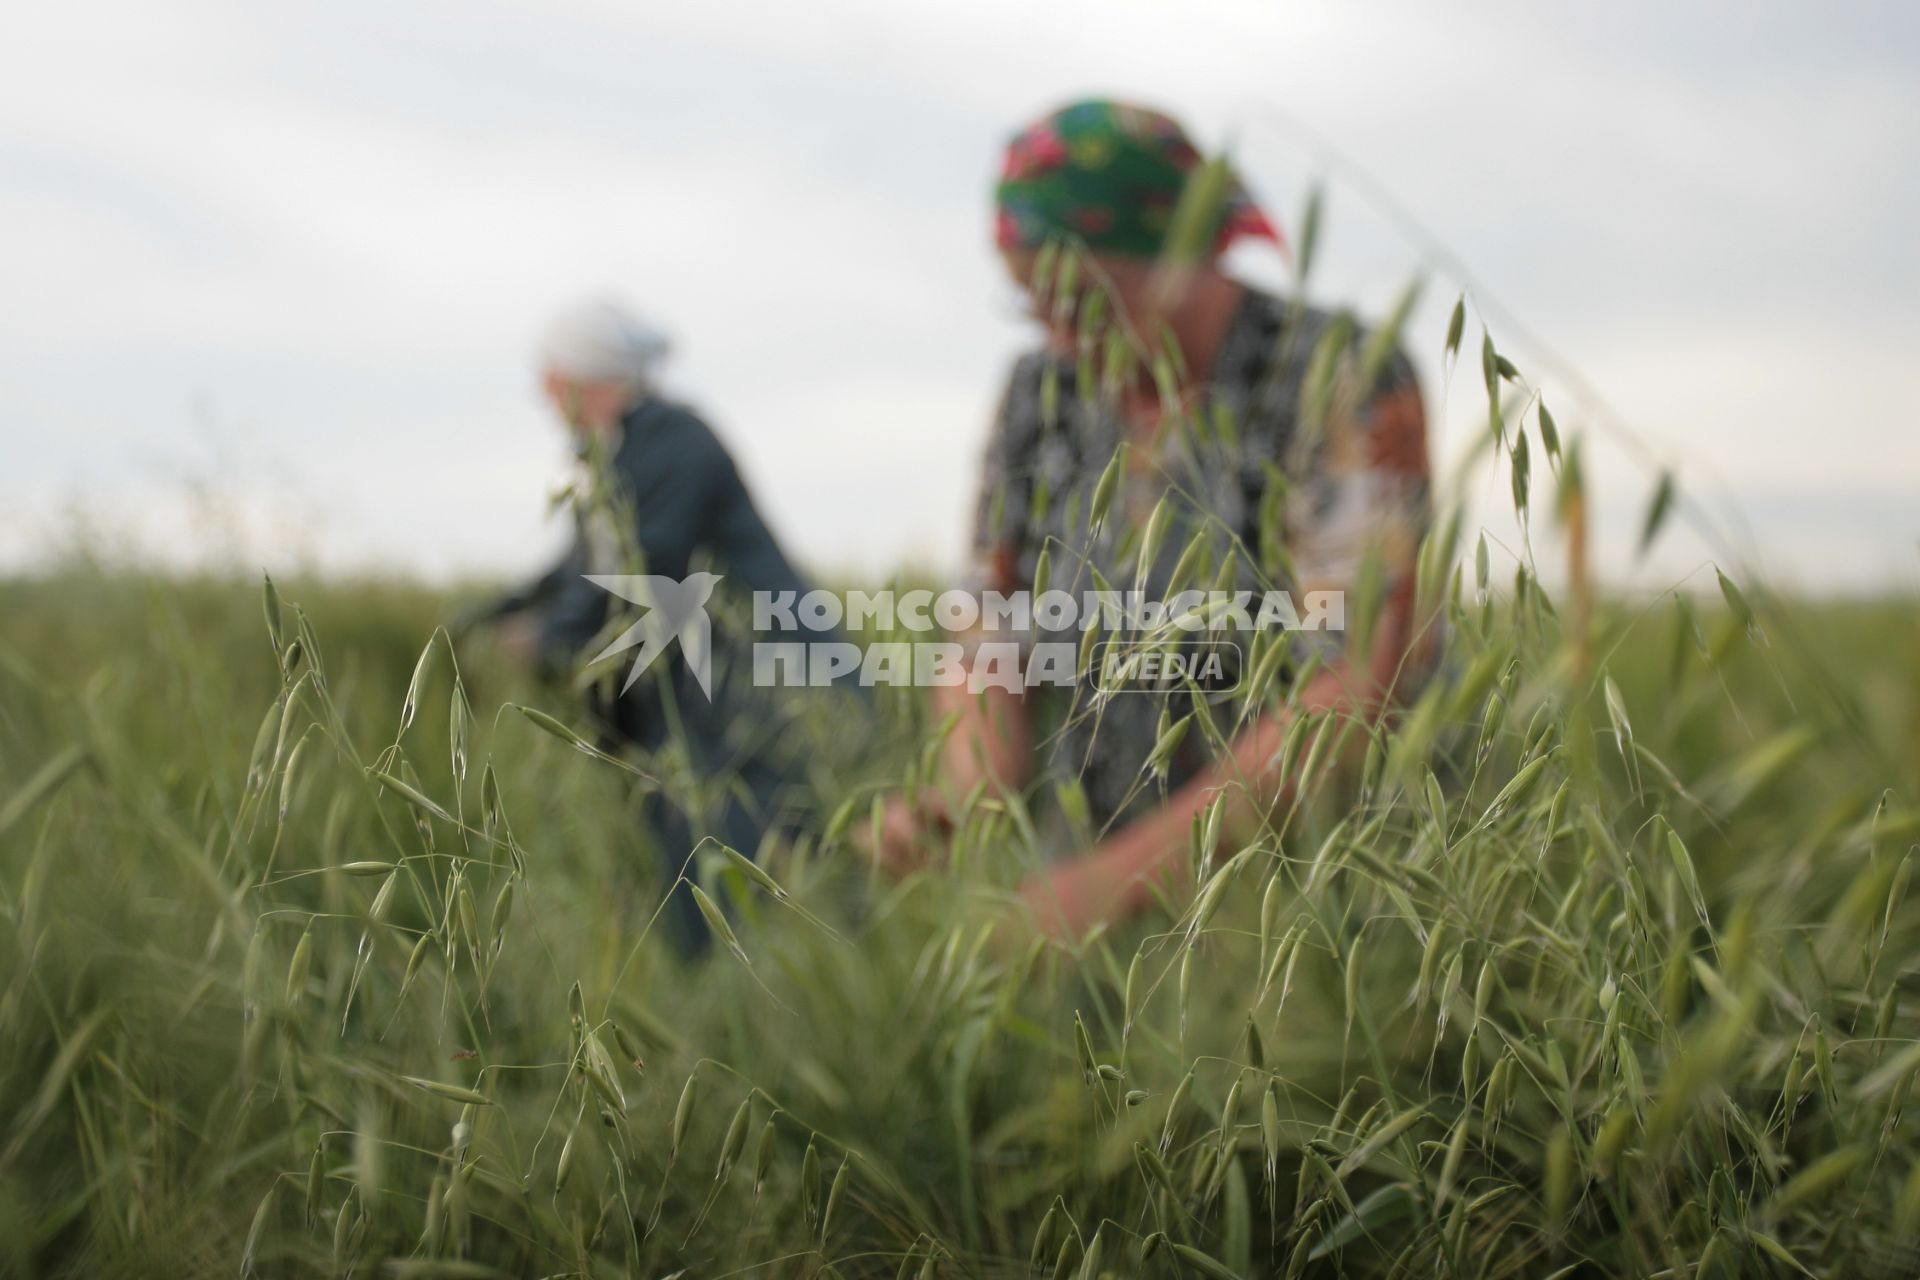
(1561, 981)
(329, 952)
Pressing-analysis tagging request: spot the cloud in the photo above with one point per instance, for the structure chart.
(340, 226)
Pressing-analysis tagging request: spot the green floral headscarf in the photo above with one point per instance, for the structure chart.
(1108, 174)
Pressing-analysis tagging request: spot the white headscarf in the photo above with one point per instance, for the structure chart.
(601, 341)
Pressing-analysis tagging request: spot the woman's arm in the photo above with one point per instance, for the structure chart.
(1116, 877)
(990, 742)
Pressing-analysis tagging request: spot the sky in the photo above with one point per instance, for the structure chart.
(270, 275)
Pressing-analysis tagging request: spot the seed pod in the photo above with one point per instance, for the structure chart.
(1497, 1087)
(557, 728)
(1282, 956)
(1559, 1180)
(1090, 1265)
(735, 1141)
(717, 921)
(1211, 827)
(1429, 961)
(366, 868)
(1089, 1065)
(1089, 639)
(1069, 1254)
(1896, 890)
(1456, 326)
(1683, 868)
(629, 1048)
(1152, 1167)
(1823, 1064)
(436, 1213)
(316, 1178)
(1302, 1253)
(1127, 1007)
(763, 1155)
(1042, 1234)
(458, 716)
(297, 969)
(490, 810)
(1449, 988)
(1104, 490)
(1897, 1105)
(565, 1166)
(1883, 1019)
(1270, 1128)
(414, 960)
(1174, 1104)
(754, 871)
(1264, 671)
(453, 1091)
(270, 603)
(810, 1180)
(1437, 803)
(1290, 746)
(682, 1115)
(1169, 742)
(1227, 1115)
(1186, 984)
(254, 1232)
(502, 908)
(600, 1072)
(1793, 1086)
(263, 745)
(1482, 992)
(411, 795)
(841, 820)
(342, 1236)
(287, 777)
(469, 914)
(834, 1193)
(1450, 1164)
(382, 897)
(1269, 915)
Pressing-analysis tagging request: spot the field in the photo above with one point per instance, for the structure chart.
(1599, 979)
(326, 956)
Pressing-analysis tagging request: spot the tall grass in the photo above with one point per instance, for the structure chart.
(327, 958)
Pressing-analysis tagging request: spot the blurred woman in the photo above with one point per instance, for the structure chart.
(661, 519)
(1101, 184)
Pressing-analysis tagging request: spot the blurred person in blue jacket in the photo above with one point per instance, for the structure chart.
(663, 521)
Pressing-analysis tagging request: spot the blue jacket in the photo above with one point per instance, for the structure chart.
(689, 505)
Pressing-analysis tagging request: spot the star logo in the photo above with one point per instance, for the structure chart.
(676, 609)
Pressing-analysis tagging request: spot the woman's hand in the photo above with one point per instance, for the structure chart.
(913, 830)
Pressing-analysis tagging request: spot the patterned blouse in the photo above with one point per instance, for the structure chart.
(1305, 494)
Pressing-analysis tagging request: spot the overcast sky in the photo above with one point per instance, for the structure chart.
(269, 274)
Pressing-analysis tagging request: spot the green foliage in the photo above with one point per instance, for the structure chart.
(331, 951)
(1616, 976)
